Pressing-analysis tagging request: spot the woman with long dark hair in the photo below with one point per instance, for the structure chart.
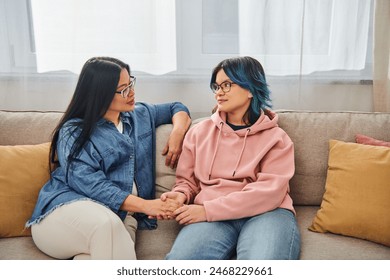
(233, 175)
(103, 186)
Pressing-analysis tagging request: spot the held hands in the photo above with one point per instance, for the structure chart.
(185, 214)
(161, 209)
(177, 197)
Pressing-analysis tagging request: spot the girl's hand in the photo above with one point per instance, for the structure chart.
(189, 214)
(178, 196)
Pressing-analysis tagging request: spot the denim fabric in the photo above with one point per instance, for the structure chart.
(273, 235)
(108, 164)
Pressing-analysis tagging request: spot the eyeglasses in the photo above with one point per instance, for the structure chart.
(125, 92)
(225, 86)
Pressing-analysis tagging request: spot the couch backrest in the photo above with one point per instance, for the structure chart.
(310, 132)
(22, 128)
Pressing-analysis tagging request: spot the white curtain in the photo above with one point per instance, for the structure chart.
(381, 88)
(312, 35)
(289, 37)
(141, 33)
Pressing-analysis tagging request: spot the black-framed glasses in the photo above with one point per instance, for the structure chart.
(225, 86)
(125, 92)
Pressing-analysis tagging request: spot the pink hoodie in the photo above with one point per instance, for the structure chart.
(236, 174)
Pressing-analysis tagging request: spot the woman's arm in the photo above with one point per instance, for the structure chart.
(84, 174)
(181, 123)
(167, 113)
(186, 186)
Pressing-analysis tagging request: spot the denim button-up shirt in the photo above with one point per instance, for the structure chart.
(108, 164)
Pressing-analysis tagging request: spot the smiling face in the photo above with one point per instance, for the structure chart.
(235, 102)
(120, 104)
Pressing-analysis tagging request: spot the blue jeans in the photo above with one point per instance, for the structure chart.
(272, 235)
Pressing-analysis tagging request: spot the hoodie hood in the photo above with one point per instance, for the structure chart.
(266, 121)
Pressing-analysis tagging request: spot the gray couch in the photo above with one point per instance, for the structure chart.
(310, 132)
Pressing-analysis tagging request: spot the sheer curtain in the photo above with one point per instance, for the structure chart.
(382, 56)
(68, 32)
(311, 35)
(290, 37)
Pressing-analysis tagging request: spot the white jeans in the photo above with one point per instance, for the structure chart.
(86, 230)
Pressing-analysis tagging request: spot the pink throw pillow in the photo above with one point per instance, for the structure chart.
(363, 139)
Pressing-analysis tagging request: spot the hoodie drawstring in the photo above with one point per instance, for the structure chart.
(216, 149)
(242, 151)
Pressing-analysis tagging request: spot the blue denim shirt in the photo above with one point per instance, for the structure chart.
(108, 164)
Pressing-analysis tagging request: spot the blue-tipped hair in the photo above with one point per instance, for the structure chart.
(248, 73)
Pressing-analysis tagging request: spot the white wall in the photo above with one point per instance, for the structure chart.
(54, 93)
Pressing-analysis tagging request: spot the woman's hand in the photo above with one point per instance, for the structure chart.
(178, 197)
(172, 150)
(189, 214)
(159, 208)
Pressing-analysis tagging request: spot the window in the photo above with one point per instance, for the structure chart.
(142, 32)
(17, 51)
(289, 37)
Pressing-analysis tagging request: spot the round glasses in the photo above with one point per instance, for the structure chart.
(225, 86)
(125, 92)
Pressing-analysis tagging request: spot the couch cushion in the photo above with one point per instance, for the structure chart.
(156, 244)
(356, 201)
(311, 132)
(165, 176)
(30, 127)
(23, 171)
(20, 248)
(367, 140)
(328, 246)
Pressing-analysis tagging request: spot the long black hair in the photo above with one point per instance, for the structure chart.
(92, 97)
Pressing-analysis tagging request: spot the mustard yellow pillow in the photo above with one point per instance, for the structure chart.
(23, 171)
(356, 201)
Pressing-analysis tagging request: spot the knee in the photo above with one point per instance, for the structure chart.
(109, 222)
(179, 253)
